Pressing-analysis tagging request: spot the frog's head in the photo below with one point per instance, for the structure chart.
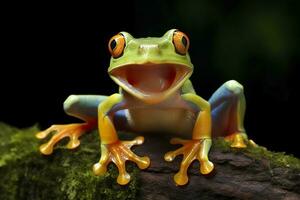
(151, 68)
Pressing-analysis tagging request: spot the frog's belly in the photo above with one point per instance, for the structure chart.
(171, 120)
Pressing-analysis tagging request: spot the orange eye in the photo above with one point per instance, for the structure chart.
(181, 42)
(116, 45)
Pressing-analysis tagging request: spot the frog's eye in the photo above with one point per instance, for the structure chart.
(181, 42)
(116, 45)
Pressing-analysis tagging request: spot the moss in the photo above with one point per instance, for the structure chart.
(276, 159)
(221, 144)
(16, 143)
(280, 159)
(26, 174)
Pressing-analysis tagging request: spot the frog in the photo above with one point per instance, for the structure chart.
(155, 95)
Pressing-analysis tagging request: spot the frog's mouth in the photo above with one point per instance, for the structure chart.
(150, 80)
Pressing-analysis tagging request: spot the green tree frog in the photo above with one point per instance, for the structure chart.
(155, 94)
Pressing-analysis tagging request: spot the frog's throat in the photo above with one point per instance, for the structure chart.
(151, 82)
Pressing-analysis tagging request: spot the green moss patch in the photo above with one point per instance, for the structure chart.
(66, 174)
(276, 159)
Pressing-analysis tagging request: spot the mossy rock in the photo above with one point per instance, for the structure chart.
(26, 174)
(251, 173)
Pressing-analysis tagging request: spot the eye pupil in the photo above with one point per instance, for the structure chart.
(113, 44)
(184, 41)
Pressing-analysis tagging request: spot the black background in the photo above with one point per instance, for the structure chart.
(50, 51)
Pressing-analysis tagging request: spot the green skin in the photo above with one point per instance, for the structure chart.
(154, 82)
(165, 48)
(150, 50)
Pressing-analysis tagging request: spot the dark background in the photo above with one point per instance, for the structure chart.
(50, 51)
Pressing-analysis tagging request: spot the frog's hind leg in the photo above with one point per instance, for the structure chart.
(228, 107)
(83, 107)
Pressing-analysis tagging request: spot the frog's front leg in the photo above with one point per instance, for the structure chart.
(199, 146)
(81, 106)
(112, 149)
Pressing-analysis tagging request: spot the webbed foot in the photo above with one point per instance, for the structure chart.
(73, 131)
(239, 140)
(118, 153)
(191, 150)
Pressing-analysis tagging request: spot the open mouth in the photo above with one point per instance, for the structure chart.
(150, 78)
